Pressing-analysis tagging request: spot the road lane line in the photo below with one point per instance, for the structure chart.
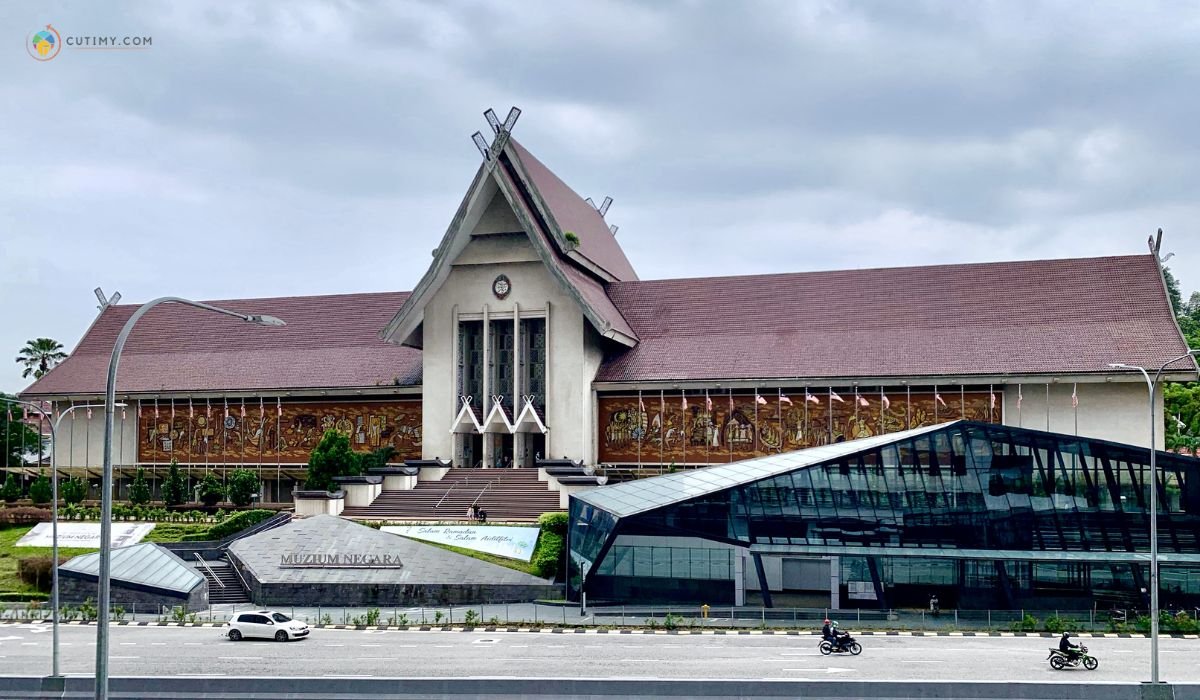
(921, 661)
(239, 658)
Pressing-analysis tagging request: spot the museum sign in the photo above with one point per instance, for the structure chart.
(339, 560)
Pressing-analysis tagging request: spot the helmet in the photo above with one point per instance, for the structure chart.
(1066, 634)
(835, 623)
(827, 620)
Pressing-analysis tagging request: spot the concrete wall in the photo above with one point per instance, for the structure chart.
(572, 359)
(1117, 411)
(81, 440)
(75, 590)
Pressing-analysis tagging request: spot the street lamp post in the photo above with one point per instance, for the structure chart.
(1152, 385)
(107, 475)
(53, 425)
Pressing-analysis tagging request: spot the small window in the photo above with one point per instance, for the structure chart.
(280, 617)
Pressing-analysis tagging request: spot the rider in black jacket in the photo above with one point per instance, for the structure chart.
(1066, 647)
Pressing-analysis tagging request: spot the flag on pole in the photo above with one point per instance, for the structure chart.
(707, 402)
(226, 408)
(810, 398)
(1020, 396)
(243, 408)
(683, 402)
(191, 409)
(939, 399)
(759, 399)
(139, 409)
(861, 401)
(89, 413)
(883, 399)
(1074, 396)
(785, 399)
(172, 409)
(992, 399)
(641, 404)
(834, 397)
(156, 409)
(279, 406)
(122, 413)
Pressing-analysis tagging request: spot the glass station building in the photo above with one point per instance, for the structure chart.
(982, 515)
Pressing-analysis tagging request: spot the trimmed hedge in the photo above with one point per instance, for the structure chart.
(234, 523)
(37, 571)
(23, 596)
(24, 515)
(548, 556)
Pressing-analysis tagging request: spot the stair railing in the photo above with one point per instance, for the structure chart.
(439, 503)
(245, 586)
(482, 491)
(212, 576)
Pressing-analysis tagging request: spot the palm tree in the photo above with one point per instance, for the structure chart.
(39, 356)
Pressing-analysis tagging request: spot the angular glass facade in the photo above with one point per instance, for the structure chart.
(981, 514)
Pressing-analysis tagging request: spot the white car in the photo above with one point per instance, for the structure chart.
(265, 624)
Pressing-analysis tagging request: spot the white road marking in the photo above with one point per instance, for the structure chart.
(370, 645)
(921, 661)
(347, 675)
(29, 644)
(129, 644)
(335, 645)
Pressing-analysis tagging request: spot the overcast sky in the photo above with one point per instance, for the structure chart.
(322, 147)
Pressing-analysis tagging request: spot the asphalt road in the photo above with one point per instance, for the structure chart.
(203, 651)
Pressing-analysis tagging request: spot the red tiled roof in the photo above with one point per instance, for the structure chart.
(1048, 316)
(329, 341)
(570, 212)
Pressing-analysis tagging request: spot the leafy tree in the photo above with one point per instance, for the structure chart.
(11, 490)
(243, 485)
(19, 439)
(174, 488)
(211, 490)
(1181, 401)
(377, 458)
(41, 490)
(139, 490)
(73, 490)
(332, 457)
(40, 356)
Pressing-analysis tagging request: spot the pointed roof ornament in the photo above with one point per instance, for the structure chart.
(466, 422)
(529, 421)
(497, 421)
(613, 230)
(502, 132)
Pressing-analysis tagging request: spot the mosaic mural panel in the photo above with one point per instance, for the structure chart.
(660, 429)
(265, 434)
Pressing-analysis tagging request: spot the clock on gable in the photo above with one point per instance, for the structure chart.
(501, 286)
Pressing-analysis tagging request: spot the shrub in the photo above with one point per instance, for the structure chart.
(24, 597)
(331, 457)
(243, 487)
(237, 522)
(174, 488)
(377, 458)
(211, 490)
(548, 554)
(554, 522)
(37, 571)
(139, 490)
(11, 490)
(1057, 625)
(24, 515)
(41, 490)
(1028, 623)
(73, 491)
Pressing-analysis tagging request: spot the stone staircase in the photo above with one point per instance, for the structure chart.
(508, 495)
(224, 586)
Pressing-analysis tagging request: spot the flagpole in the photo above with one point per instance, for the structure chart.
(962, 401)
(686, 430)
(908, 407)
(936, 395)
(1075, 405)
(711, 426)
(1020, 397)
(1047, 407)
(662, 428)
(991, 401)
(829, 441)
(641, 417)
(728, 422)
(755, 428)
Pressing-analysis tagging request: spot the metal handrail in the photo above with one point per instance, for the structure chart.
(484, 489)
(245, 586)
(439, 503)
(208, 568)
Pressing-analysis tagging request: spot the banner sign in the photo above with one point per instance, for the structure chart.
(501, 540)
(85, 535)
(340, 560)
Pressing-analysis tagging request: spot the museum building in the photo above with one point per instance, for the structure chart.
(531, 336)
(979, 514)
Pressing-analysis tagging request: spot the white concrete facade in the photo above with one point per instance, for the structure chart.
(1116, 410)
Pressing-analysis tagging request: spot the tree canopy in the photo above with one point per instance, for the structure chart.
(40, 356)
(1181, 400)
(17, 438)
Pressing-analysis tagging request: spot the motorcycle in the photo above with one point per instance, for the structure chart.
(1059, 659)
(844, 644)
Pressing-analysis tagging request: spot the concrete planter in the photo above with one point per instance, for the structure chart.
(360, 491)
(319, 502)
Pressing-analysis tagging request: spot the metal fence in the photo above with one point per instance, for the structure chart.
(660, 617)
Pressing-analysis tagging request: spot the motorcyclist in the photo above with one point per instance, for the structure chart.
(1065, 646)
(839, 636)
(827, 632)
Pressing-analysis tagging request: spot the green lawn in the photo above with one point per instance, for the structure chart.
(10, 553)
